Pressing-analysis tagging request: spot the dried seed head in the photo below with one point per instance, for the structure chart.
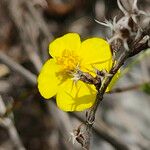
(87, 78)
(128, 31)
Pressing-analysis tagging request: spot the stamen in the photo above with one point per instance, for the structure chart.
(68, 61)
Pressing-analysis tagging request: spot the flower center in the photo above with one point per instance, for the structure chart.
(68, 61)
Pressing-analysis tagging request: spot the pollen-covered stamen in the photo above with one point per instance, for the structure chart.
(68, 61)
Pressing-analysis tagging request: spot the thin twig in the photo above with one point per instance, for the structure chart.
(31, 26)
(7, 122)
(135, 61)
(18, 68)
(128, 88)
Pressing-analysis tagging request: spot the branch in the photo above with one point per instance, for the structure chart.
(31, 27)
(128, 88)
(18, 68)
(7, 122)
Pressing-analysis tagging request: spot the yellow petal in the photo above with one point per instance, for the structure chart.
(70, 41)
(48, 80)
(106, 65)
(95, 50)
(113, 81)
(75, 97)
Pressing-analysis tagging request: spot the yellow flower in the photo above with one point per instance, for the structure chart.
(59, 74)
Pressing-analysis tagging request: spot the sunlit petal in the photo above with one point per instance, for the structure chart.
(48, 80)
(95, 50)
(75, 97)
(70, 42)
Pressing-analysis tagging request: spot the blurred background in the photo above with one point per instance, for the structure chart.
(27, 121)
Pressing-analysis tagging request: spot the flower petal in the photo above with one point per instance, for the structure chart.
(48, 80)
(113, 81)
(95, 50)
(70, 41)
(75, 97)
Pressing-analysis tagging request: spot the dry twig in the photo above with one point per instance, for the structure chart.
(7, 123)
(128, 88)
(18, 68)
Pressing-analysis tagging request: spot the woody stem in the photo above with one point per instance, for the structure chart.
(90, 117)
